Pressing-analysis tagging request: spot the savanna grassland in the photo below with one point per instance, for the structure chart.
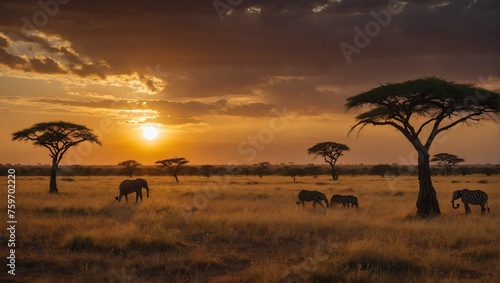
(247, 229)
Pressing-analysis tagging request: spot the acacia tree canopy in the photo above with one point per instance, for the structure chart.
(330, 151)
(130, 165)
(58, 137)
(421, 109)
(173, 165)
(444, 104)
(447, 160)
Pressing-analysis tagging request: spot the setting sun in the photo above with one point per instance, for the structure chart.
(150, 133)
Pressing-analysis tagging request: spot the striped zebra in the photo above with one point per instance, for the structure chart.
(353, 200)
(348, 200)
(476, 197)
(314, 196)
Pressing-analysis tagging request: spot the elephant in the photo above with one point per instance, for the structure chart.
(475, 197)
(130, 186)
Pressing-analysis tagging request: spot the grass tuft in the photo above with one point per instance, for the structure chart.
(80, 243)
(398, 194)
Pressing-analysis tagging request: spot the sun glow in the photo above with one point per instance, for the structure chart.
(150, 133)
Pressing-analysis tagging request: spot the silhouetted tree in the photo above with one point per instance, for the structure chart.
(130, 166)
(173, 165)
(313, 170)
(58, 137)
(330, 151)
(386, 169)
(207, 170)
(447, 160)
(424, 106)
(261, 169)
(381, 169)
(294, 172)
(245, 170)
(464, 170)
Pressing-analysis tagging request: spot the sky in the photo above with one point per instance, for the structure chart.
(235, 81)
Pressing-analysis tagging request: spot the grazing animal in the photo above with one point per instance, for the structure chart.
(348, 200)
(476, 197)
(130, 186)
(353, 200)
(314, 196)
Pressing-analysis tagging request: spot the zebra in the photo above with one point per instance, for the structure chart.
(348, 200)
(353, 200)
(314, 196)
(476, 197)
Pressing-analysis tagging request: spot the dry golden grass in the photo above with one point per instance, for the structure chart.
(247, 229)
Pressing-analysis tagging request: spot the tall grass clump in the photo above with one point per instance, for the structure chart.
(80, 243)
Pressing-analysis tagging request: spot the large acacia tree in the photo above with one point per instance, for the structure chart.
(57, 137)
(330, 151)
(421, 109)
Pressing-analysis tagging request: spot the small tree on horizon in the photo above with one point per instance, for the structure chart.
(447, 160)
(207, 170)
(294, 172)
(173, 165)
(58, 137)
(261, 169)
(386, 169)
(330, 151)
(130, 166)
(421, 109)
(313, 170)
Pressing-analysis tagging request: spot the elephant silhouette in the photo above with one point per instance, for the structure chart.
(130, 186)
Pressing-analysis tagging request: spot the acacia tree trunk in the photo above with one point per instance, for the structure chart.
(447, 168)
(427, 203)
(53, 174)
(335, 176)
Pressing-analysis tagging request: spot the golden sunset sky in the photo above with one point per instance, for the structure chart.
(235, 82)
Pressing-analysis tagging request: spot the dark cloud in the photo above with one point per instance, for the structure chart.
(174, 121)
(201, 56)
(302, 96)
(45, 66)
(12, 61)
(173, 113)
(3, 42)
(107, 104)
(249, 110)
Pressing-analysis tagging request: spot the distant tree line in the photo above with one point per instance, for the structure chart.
(295, 172)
